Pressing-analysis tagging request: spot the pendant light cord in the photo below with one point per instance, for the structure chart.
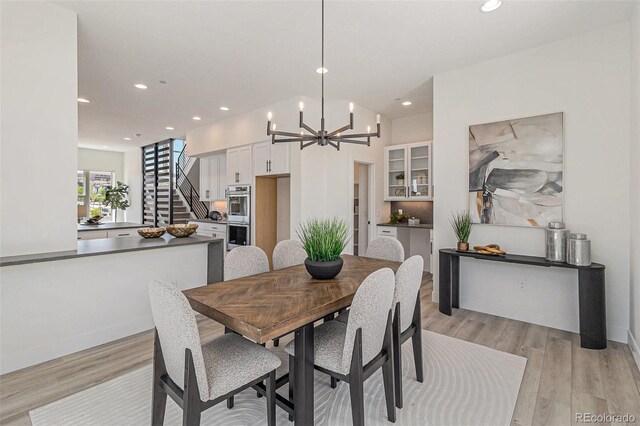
(322, 60)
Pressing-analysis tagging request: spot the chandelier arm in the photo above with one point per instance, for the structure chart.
(357, 135)
(281, 133)
(353, 141)
(298, 139)
(334, 144)
(304, 145)
(340, 130)
(309, 129)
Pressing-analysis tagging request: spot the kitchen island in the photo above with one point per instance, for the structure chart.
(54, 304)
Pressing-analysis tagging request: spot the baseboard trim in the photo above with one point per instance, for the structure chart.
(635, 349)
(39, 354)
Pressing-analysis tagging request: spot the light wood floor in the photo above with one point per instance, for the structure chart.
(560, 379)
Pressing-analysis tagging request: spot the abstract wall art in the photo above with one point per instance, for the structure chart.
(516, 171)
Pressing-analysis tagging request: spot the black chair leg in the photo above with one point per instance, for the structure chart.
(387, 376)
(291, 381)
(276, 342)
(334, 383)
(230, 402)
(191, 405)
(416, 341)
(397, 358)
(357, 401)
(271, 399)
(159, 397)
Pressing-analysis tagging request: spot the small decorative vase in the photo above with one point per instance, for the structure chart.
(556, 236)
(323, 270)
(579, 250)
(463, 246)
(400, 181)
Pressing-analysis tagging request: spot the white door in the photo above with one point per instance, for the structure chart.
(279, 158)
(261, 158)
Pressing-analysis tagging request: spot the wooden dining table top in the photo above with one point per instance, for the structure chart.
(269, 305)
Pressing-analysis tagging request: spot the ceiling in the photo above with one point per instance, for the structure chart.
(248, 54)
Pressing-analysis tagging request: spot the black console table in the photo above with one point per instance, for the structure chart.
(591, 296)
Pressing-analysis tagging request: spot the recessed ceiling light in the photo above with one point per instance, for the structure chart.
(127, 139)
(169, 128)
(322, 70)
(195, 117)
(406, 103)
(83, 100)
(223, 108)
(140, 86)
(491, 5)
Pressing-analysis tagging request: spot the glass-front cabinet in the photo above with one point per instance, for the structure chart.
(408, 172)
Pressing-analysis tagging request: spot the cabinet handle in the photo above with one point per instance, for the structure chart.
(266, 166)
(269, 166)
(207, 192)
(237, 177)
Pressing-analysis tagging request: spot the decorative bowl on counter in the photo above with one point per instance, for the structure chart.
(151, 232)
(182, 230)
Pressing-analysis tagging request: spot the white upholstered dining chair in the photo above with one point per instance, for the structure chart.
(245, 261)
(199, 376)
(386, 248)
(352, 352)
(407, 320)
(288, 253)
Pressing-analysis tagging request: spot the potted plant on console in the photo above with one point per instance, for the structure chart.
(116, 198)
(461, 224)
(323, 240)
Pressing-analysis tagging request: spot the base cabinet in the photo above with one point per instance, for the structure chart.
(215, 230)
(415, 241)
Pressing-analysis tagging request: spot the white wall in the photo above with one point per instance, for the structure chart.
(634, 327)
(101, 161)
(39, 135)
(132, 176)
(416, 128)
(321, 177)
(587, 78)
(56, 308)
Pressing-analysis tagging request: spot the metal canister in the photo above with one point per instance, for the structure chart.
(556, 242)
(579, 250)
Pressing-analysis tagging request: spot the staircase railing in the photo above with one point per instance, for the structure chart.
(186, 188)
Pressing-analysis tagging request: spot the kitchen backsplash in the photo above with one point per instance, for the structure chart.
(422, 210)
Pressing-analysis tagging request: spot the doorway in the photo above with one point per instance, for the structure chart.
(362, 198)
(273, 205)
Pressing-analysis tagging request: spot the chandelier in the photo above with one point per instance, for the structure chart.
(322, 137)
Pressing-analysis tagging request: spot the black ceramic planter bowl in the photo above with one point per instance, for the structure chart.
(323, 270)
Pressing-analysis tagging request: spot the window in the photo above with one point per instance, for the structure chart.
(91, 188)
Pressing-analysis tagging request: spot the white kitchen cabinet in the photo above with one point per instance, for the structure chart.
(239, 170)
(91, 235)
(407, 172)
(213, 177)
(415, 241)
(209, 229)
(270, 159)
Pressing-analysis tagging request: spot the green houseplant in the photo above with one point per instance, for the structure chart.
(461, 224)
(323, 240)
(116, 197)
(400, 178)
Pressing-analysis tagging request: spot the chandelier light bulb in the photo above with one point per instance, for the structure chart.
(301, 105)
(368, 129)
(350, 106)
(273, 127)
(269, 115)
(378, 118)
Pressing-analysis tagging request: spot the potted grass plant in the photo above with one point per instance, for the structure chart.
(461, 224)
(323, 240)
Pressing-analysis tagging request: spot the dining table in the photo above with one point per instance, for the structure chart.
(270, 305)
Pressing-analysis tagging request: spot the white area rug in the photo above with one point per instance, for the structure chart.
(465, 384)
